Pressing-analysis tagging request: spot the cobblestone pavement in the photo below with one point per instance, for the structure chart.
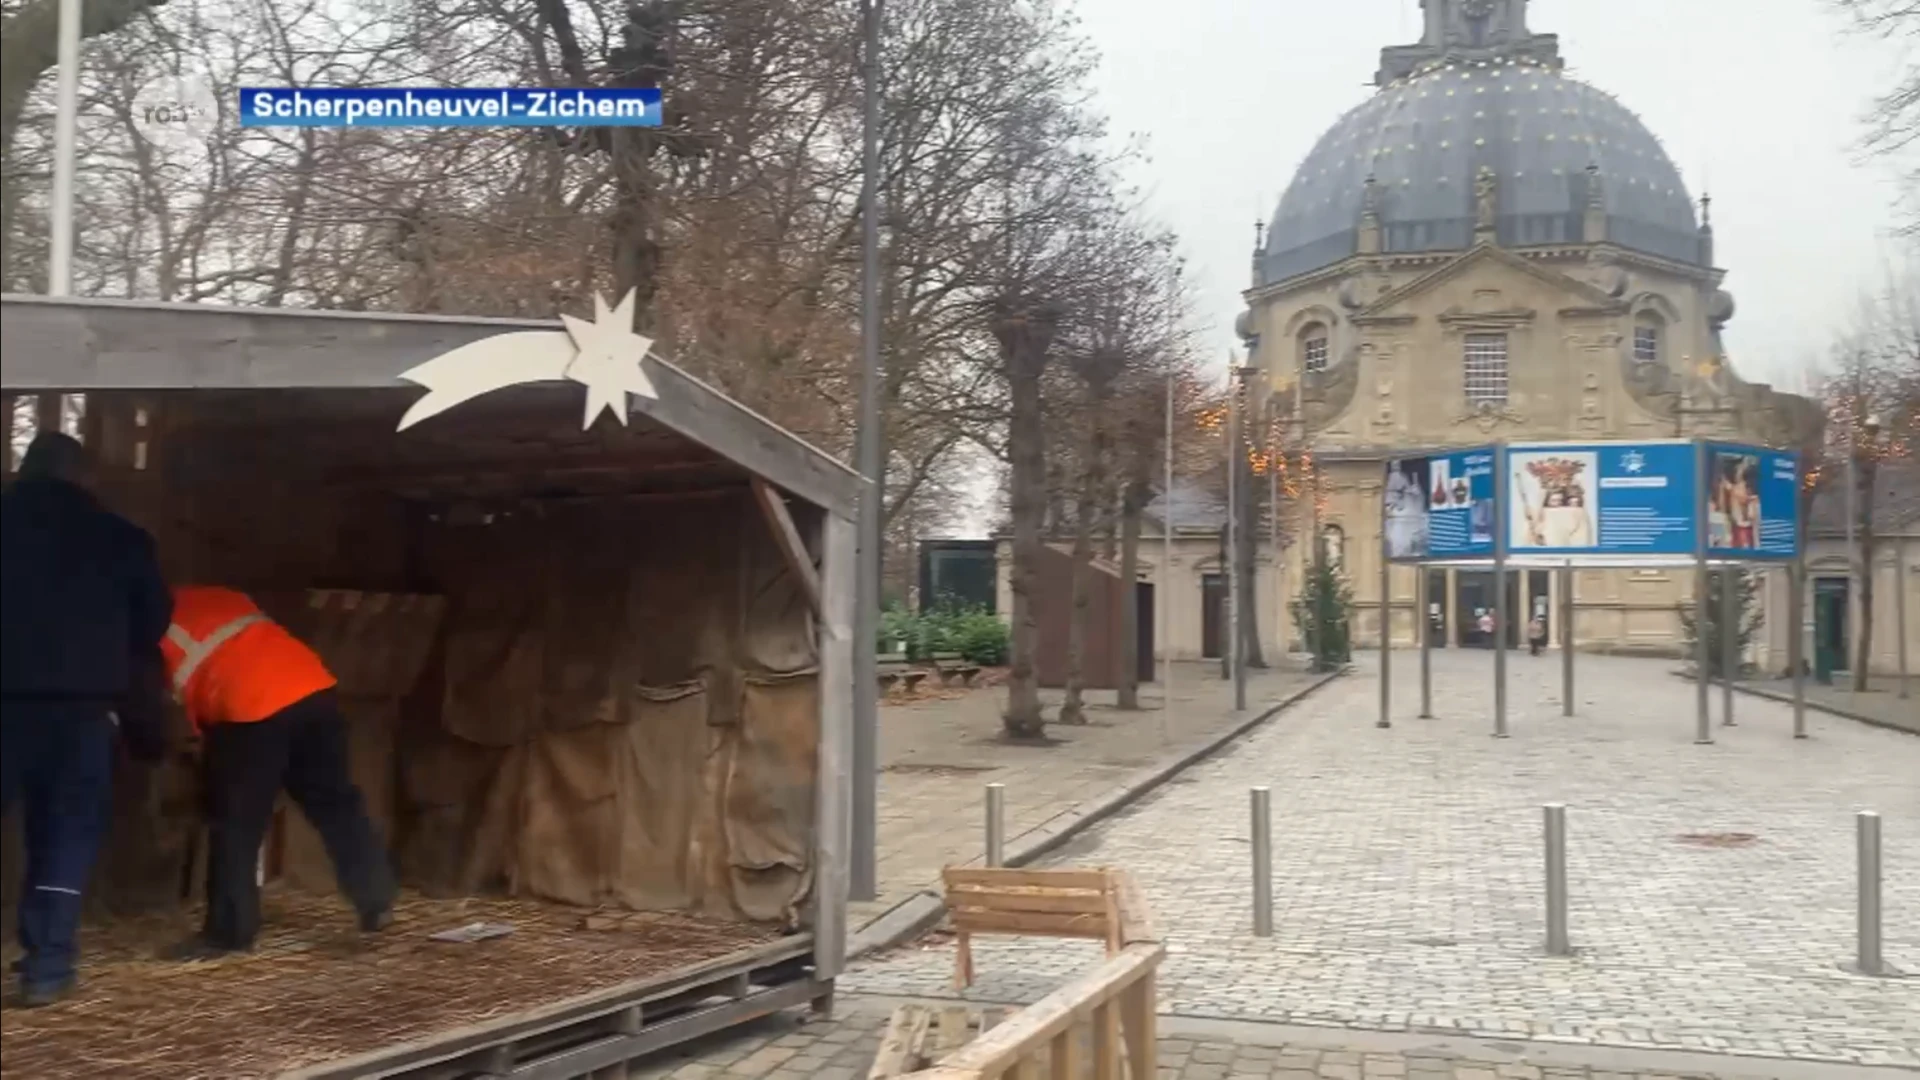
(938, 754)
(1713, 889)
(1881, 700)
(788, 1048)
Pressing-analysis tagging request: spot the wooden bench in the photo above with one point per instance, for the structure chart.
(951, 666)
(1045, 903)
(896, 672)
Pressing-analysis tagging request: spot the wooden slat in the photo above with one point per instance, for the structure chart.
(1106, 1042)
(900, 1047)
(977, 921)
(774, 507)
(1057, 901)
(996, 878)
(1136, 918)
(1139, 1004)
(1064, 1056)
(955, 1028)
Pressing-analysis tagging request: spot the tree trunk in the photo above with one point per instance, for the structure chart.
(1132, 504)
(1025, 332)
(1092, 483)
(1865, 525)
(636, 248)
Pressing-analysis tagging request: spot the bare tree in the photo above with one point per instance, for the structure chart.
(1873, 417)
(1129, 323)
(1893, 120)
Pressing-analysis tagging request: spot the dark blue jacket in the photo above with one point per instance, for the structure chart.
(82, 604)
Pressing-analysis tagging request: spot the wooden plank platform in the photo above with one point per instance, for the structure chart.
(568, 993)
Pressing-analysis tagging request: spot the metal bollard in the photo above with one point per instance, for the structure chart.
(1556, 837)
(1868, 833)
(996, 825)
(1262, 799)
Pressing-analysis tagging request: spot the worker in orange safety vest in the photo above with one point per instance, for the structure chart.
(265, 706)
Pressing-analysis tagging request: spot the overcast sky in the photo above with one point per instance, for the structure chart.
(1757, 101)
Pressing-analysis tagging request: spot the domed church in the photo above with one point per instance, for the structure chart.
(1489, 249)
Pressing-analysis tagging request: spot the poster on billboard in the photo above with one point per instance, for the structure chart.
(1440, 506)
(1604, 499)
(1752, 502)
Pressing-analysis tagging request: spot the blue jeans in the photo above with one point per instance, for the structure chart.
(57, 758)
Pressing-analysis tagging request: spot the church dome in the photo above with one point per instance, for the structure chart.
(1554, 146)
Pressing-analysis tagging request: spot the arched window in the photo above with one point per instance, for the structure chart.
(1333, 544)
(1484, 369)
(1313, 347)
(1648, 338)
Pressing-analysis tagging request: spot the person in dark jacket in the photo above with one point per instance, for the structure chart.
(83, 608)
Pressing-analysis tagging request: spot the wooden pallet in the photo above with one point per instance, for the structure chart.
(596, 1035)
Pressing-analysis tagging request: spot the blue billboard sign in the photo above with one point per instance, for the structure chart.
(1440, 506)
(1601, 499)
(1753, 502)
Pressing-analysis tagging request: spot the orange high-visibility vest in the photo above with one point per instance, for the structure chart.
(230, 664)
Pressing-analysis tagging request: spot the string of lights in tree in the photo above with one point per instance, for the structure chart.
(1263, 449)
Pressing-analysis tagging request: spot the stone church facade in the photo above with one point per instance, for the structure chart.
(1489, 249)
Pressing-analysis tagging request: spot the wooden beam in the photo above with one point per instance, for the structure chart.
(774, 507)
(833, 793)
(13, 408)
(527, 466)
(47, 409)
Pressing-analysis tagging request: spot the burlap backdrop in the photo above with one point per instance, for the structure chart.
(605, 703)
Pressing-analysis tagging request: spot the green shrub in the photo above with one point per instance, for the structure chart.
(976, 634)
(980, 637)
(897, 625)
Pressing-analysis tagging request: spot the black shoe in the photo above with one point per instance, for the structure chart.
(372, 922)
(196, 949)
(41, 995)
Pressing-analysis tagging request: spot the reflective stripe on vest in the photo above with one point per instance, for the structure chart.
(194, 651)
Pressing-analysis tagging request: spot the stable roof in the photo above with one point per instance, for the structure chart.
(331, 359)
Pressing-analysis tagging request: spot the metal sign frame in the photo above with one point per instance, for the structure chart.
(1704, 561)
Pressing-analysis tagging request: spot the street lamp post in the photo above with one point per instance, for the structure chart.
(863, 883)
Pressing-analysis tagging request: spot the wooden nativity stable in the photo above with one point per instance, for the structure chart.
(599, 681)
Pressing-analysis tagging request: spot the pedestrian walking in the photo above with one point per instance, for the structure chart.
(82, 611)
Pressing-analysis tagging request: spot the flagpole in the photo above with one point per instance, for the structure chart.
(1163, 601)
(65, 123)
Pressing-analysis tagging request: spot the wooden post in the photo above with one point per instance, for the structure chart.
(12, 410)
(46, 413)
(1063, 1058)
(1106, 1042)
(1138, 1005)
(833, 796)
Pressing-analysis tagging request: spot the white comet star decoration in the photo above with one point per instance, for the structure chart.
(604, 355)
